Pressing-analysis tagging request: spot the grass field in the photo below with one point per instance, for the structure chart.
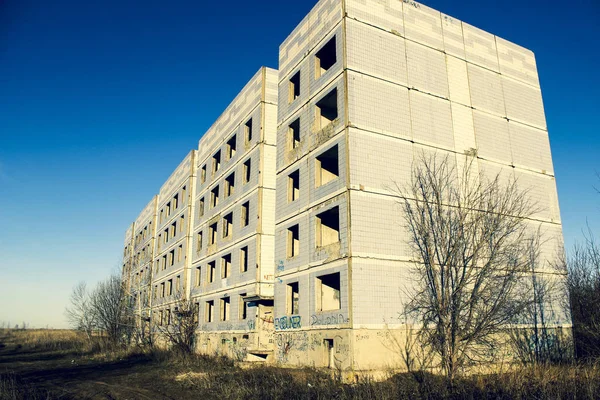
(43, 364)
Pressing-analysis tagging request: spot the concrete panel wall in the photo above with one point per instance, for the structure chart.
(386, 14)
(523, 103)
(382, 285)
(423, 24)
(517, 62)
(434, 78)
(431, 119)
(377, 227)
(486, 90)
(379, 163)
(530, 148)
(379, 106)
(480, 47)
(376, 52)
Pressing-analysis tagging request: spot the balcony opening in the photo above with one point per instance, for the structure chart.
(328, 227)
(326, 110)
(328, 292)
(327, 166)
(325, 58)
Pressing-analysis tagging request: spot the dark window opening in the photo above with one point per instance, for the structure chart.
(247, 171)
(294, 134)
(245, 213)
(294, 186)
(294, 87)
(293, 296)
(231, 147)
(214, 197)
(248, 131)
(325, 58)
(230, 185)
(244, 259)
(328, 292)
(227, 225)
(326, 110)
(225, 266)
(293, 241)
(328, 227)
(326, 166)
(211, 271)
(216, 161)
(212, 234)
(209, 312)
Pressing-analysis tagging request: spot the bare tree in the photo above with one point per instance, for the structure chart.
(112, 309)
(79, 311)
(584, 292)
(138, 295)
(471, 241)
(179, 326)
(539, 338)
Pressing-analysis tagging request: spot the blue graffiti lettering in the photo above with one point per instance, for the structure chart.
(284, 323)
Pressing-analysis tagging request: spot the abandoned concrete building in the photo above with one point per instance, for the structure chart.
(282, 227)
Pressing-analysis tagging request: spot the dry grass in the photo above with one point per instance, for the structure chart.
(46, 340)
(12, 389)
(131, 373)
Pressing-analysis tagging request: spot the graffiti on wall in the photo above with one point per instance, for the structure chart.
(298, 344)
(338, 319)
(285, 323)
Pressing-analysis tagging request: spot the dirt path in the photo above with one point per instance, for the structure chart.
(70, 376)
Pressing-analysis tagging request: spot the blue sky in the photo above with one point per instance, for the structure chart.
(100, 101)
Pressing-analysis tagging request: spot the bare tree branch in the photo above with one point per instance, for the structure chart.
(471, 240)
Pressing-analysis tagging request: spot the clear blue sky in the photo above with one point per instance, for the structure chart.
(100, 100)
